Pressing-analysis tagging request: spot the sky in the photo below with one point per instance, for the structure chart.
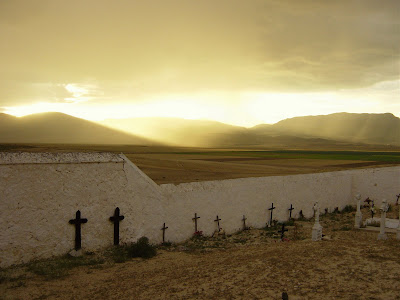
(233, 61)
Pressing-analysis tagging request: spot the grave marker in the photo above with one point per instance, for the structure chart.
(358, 219)
(398, 227)
(116, 219)
(317, 228)
(195, 221)
(244, 223)
(77, 222)
(372, 209)
(384, 208)
(217, 220)
(290, 211)
(163, 233)
(271, 209)
(282, 231)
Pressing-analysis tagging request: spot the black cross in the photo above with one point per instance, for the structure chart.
(244, 223)
(282, 231)
(195, 221)
(368, 200)
(217, 220)
(398, 196)
(116, 219)
(163, 233)
(271, 209)
(77, 222)
(290, 212)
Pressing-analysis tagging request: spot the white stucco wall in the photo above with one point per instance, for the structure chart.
(41, 192)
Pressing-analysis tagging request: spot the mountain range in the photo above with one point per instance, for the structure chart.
(298, 132)
(59, 128)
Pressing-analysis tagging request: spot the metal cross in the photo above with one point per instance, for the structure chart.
(368, 200)
(282, 231)
(244, 223)
(77, 222)
(398, 196)
(217, 220)
(290, 212)
(271, 209)
(116, 219)
(163, 233)
(195, 221)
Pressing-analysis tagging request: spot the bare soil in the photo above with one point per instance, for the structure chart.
(251, 264)
(177, 165)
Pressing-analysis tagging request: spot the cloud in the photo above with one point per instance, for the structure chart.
(136, 48)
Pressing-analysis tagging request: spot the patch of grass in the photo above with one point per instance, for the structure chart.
(297, 233)
(345, 228)
(118, 254)
(348, 209)
(289, 223)
(240, 240)
(60, 266)
(304, 154)
(141, 248)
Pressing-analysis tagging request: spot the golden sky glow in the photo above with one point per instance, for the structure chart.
(238, 62)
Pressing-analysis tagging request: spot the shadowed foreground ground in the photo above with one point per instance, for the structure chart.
(251, 264)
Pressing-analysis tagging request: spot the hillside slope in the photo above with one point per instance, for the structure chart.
(60, 128)
(355, 128)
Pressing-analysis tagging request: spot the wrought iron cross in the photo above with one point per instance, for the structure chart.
(195, 221)
(398, 196)
(217, 220)
(244, 223)
(116, 219)
(290, 212)
(163, 233)
(77, 222)
(282, 231)
(271, 209)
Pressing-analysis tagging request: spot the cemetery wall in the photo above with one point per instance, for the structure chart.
(40, 193)
(233, 198)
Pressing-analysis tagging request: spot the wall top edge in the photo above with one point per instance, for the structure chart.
(10, 158)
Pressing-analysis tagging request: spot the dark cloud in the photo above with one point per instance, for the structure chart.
(185, 46)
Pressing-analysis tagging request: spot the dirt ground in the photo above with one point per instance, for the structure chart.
(177, 165)
(251, 264)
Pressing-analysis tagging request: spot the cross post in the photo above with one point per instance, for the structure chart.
(282, 231)
(217, 220)
(271, 209)
(290, 211)
(163, 233)
(195, 221)
(244, 223)
(78, 236)
(116, 219)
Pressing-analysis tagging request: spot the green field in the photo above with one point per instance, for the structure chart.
(300, 154)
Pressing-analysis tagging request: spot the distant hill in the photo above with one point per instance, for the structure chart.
(312, 132)
(197, 133)
(381, 129)
(61, 128)
(175, 131)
